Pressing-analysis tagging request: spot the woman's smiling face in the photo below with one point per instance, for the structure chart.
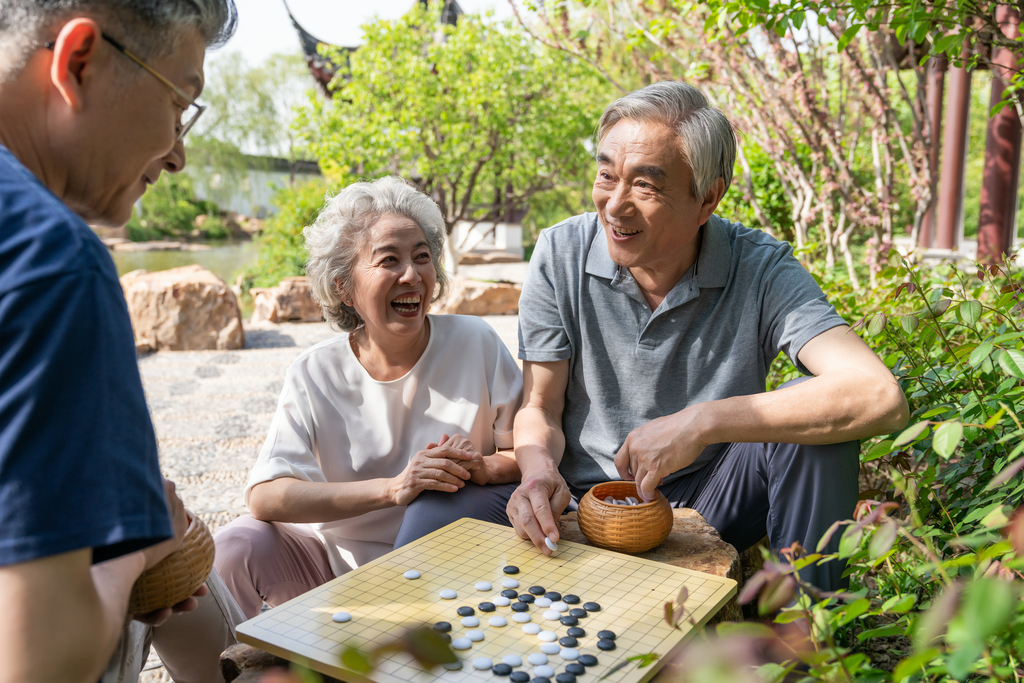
(393, 278)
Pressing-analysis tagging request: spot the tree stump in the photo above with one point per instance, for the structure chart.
(692, 544)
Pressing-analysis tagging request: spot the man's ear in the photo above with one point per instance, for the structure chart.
(711, 200)
(74, 52)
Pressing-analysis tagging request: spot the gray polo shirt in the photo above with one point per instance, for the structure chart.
(714, 336)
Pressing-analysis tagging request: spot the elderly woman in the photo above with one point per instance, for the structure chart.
(402, 403)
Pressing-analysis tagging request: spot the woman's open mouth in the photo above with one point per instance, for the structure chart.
(407, 305)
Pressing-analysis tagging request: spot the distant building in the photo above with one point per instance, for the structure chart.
(252, 191)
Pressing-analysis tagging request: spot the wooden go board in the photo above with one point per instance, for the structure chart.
(631, 592)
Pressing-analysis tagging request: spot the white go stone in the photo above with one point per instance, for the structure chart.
(497, 621)
(552, 546)
(560, 606)
(448, 594)
(475, 636)
(542, 602)
(411, 574)
(569, 653)
(543, 671)
(531, 629)
(512, 660)
(548, 636)
(510, 583)
(552, 615)
(453, 666)
(521, 617)
(483, 586)
(550, 648)
(537, 658)
(501, 601)
(462, 644)
(482, 663)
(341, 617)
(470, 622)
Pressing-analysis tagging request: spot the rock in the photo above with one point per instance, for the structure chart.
(475, 297)
(692, 544)
(183, 309)
(290, 301)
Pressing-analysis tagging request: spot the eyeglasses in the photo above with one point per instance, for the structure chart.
(193, 108)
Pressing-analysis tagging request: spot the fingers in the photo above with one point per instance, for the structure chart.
(647, 487)
(531, 509)
(622, 464)
(156, 617)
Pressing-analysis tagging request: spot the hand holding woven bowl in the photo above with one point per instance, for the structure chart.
(178, 575)
(625, 528)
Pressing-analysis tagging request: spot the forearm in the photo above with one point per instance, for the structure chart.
(502, 467)
(292, 500)
(843, 405)
(539, 441)
(62, 600)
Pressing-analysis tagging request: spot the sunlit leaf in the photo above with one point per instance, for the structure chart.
(970, 311)
(1012, 362)
(909, 323)
(877, 324)
(980, 353)
(913, 664)
(933, 623)
(882, 540)
(356, 660)
(911, 433)
(947, 437)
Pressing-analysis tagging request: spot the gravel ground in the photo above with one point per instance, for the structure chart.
(212, 409)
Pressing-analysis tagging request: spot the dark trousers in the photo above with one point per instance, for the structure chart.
(789, 492)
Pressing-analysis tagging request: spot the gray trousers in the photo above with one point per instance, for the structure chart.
(787, 491)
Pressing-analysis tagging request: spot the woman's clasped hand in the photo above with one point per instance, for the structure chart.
(443, 466)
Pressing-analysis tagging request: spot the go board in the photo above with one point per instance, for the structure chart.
(630, 591)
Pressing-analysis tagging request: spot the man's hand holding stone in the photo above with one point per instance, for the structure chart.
(658, 448)
(531, 509)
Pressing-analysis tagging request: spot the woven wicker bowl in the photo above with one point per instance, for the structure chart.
(626, 528)
(178, 575)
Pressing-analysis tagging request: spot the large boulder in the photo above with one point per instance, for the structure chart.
(692, 544)
(476, 297)
(290, 301)
(182, 309)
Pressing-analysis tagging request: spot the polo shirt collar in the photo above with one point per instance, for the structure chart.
(713, 262)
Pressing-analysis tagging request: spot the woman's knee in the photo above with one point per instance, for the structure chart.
(243, 542)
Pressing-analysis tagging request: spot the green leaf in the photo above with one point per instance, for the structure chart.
(849, 542)
(913, 664)
(354, 659)
(979, 354)
(970, 311)
(877, 451)
(882, 540)
(1012, 362)
(996, 518)
(947, 437)
(900, 603)
(882, 631)
(909, 323)
(848, 35)
(910, 434)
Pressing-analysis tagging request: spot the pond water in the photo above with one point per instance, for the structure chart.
(224, 259)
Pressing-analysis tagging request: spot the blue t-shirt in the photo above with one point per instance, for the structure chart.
(78, 458)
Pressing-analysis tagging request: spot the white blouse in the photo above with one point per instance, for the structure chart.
(336, 423)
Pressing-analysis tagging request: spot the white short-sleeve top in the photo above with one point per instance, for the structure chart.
(336, 423)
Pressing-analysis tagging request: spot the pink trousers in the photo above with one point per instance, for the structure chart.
(269, 562)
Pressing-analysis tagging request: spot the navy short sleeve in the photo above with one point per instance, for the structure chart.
(78, 458)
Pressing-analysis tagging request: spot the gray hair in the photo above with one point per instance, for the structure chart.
(335, 238)
(150, 28)
(705, 135)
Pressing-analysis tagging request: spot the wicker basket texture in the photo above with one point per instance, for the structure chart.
(625, 528)
(178, 575)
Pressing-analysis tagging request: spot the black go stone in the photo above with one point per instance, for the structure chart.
(575, 668)
(565, 678)
(519, 677)
(606, 635)
(576, 632)
(569, 620)
(501, 669)
(553, 596)
(571, 599)
(486, 606)
(568, 641)
(537, 590)
(587, 660)
(511, 569)
(541, 679)
(606, 645)
(442, 627)
(446, 637)
(578, 612)
(520, 607)
(526, 597)
(465, 611)
(508, 593)
(592, 607)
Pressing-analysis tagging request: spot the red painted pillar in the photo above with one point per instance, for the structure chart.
(954, 151)
(998, 215)
(936, 85)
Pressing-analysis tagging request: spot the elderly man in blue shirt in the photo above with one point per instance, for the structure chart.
(647, 330)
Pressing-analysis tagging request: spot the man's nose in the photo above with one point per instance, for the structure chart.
(620, 201)
(174, 162)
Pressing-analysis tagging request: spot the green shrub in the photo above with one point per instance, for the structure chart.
(282, 251)
(170, 208)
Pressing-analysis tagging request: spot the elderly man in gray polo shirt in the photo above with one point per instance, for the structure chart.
(647, 330)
